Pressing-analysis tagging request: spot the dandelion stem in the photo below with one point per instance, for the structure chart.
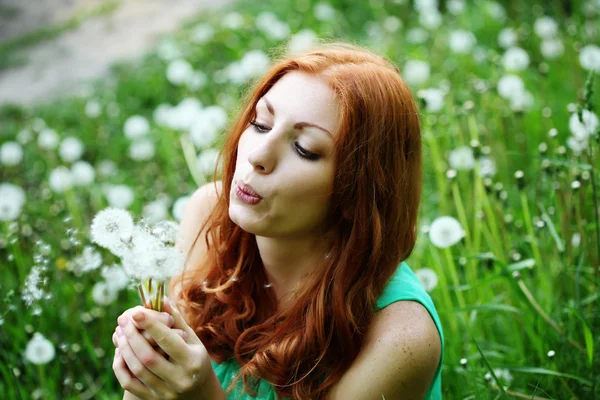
(454, 276)
(595, 200)
(42, 376)
(545, 316)
(142, 294)
(527, 217)
(519, 395)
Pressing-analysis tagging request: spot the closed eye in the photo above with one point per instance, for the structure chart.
(299, 150)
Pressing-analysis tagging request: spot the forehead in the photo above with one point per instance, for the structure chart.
(299, 96)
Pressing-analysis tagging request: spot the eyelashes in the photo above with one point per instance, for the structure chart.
(299, 150)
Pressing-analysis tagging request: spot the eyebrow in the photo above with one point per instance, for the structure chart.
(297, 125)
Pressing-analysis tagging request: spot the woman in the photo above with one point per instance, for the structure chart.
(296, 285)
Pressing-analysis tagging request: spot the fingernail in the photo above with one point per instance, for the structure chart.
(119, 331)
(138, 316)
(123, 321)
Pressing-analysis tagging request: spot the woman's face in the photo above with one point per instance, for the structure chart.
(289, 163)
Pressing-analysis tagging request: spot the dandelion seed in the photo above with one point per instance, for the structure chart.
(589, 57)
(445, 232)
(39, 350)
(103, 294)
(582, 131)
(515, 59)
(551, 354)
(118, 196)
(83, 173)
(89, 260)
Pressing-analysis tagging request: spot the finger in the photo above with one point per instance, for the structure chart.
(179, 321)
(163, 317)
(114, 339)
(128, 382)
(145, 353)
(151, 340)
(138, 369)
(165, 337)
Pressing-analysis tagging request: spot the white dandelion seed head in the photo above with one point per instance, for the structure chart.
(108, 226)
(552, 48)
(589, 57)
(504, 374)
(233, 20)
(392, 24)
(510, 84)
(515, 59)
(445, 232)
(60, 179)
(88, 260)
(141, 150)
(545, 27)
(582, 131)
(301, 42)
(39, 350)
(521, 101)
(71, 149)
(434, 99)
(136, 126)
(207, 161)
(155, 211)
(462, 158)
(202, 33)
(179, 207)
(119, 196)
(168, 49)
(166, 231)
(12, 199)
(428, 278)
(115, 277)
(11, 153)
(495, 11)
(103, 294)
(507, 38)
(417, 35)
(83, 173)
(48, 139)
(462, 41)
(324, 11)
(93, 109)
(430, 19)
(197, 80)
(416, 72)
(106, 168)
(456, 7)
(425, 5)
(577, 145)
(179, 71)
(487, 167)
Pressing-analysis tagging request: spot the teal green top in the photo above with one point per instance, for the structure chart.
(403, 285)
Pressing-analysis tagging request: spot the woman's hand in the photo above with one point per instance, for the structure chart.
(146, 373)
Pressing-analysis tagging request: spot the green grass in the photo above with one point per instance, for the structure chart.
(495, 320)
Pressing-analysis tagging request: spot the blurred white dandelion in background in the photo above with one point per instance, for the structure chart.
(462, 158)
(552, 48)
(179, 207)
(136, 127)
(12, 199)
(93, 109)
(141, 150)
(301, 42)
(61, 179)
(416, 72)
(233, 20)
(515, 59)
(545, 27)
(207, 161)
(71, 149)
(462, 41)
(589, 57)
(88, 260)
(507, 38)
(324, 11)
(202, 33)
(103, 294)
(428, 278)
(582, 131)
(48, 139)
(119, 196)
(39, 350)
(434, 99)
(11, 153)
(445, 232)
(83, 173)
(179, 71)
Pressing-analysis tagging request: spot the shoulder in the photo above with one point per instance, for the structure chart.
(399, 357)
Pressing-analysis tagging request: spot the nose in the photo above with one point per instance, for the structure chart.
(264, 154)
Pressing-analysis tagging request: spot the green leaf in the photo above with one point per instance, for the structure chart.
(587, 335)
(544, 371)
(491, 307)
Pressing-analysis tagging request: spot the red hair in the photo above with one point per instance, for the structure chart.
(304, 350)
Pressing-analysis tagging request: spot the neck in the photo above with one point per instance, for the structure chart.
(287, 262)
